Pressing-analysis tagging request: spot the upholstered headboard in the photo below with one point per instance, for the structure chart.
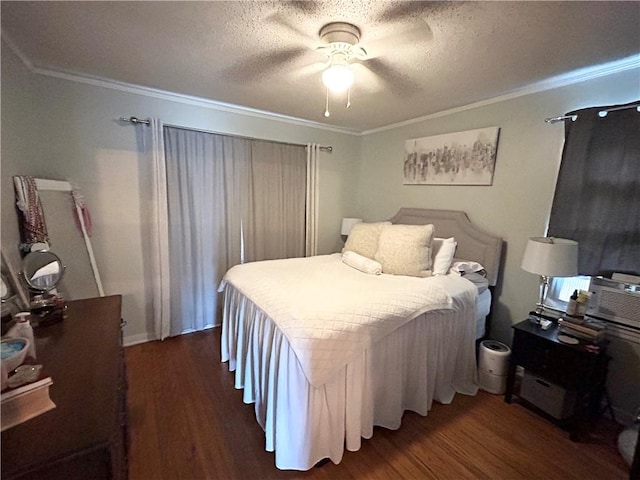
(473, 243)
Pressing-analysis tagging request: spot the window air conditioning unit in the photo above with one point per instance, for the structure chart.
(617, 301)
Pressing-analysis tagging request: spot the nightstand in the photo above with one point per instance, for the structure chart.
(566, 382)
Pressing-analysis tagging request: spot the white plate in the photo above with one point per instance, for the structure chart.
(567, 339)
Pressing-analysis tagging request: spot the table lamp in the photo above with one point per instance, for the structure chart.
(550, 257)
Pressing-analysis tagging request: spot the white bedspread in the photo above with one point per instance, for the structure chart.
(330, 312)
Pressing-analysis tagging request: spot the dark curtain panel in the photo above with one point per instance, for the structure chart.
(597, 197)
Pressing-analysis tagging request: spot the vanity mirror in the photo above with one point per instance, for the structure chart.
(13, 297)
(42, 270)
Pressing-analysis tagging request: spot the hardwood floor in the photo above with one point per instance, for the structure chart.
(188, 422)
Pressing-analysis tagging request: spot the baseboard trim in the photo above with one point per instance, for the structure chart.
(139, 338)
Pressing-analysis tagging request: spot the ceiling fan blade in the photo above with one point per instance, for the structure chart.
(394, 80)
(301, 37)
(365, 80)
(303, 6)
(260, 67)
(415, 9)
(308, 71)
(417, 37)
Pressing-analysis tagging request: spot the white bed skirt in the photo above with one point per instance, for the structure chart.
(429, 358)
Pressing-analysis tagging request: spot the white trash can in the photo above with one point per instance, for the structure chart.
(493, 365)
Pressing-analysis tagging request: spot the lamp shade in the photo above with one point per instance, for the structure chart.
(551, 257)
(347, 225)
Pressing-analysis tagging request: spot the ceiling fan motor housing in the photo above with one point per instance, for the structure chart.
(340, 32)
(341, 40)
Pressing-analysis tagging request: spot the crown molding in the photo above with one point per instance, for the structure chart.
(577, 76)
(6, 39)
(166, 95)
(187, 99)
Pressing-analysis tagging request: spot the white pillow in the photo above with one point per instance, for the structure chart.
(405, 250)
(443, 251)
(361, 263)
(363, 239)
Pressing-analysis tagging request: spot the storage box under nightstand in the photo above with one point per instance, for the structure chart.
(553, 399)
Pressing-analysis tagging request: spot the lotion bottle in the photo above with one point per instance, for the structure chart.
(23, 329)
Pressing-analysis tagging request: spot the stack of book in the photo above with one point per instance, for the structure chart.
(25, 402)
(587, 329)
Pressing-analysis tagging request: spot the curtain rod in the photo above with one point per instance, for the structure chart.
(136, 121)
(602, 113)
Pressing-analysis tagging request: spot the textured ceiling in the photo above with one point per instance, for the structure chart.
(424, 57)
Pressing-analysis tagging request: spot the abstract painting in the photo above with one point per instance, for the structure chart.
(459, 158)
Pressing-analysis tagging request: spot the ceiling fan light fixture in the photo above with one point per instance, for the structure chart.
(338, 77)
(341, 46)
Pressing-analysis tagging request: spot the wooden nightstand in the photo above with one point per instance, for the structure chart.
(572, 375)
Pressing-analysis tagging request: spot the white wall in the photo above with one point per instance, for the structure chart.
(64, 129)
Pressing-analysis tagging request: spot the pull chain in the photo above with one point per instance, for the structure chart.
(326, 105)
(348, 98)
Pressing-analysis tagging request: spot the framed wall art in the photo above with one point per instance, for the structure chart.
(459, 158)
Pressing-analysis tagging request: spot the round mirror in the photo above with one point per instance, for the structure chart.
(42, 270)
(5, 290)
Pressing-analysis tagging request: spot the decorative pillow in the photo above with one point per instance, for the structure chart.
(363, 239)
(443, 251)
(405, 250)
(361, 263)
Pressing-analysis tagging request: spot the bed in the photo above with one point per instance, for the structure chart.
(317, 391)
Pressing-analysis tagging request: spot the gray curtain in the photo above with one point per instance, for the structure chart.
(597, 197)
(206, 193)
(274, 225)
(230, 200)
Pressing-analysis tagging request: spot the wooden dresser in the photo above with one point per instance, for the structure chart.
(85, 436)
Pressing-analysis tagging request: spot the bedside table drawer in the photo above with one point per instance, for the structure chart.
(555, 362)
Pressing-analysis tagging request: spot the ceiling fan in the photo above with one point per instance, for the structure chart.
(395, 39)
(341, 46)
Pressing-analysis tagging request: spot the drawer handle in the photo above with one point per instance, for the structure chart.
(544, 384)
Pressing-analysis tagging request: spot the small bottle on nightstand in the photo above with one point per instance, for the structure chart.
(573, 304)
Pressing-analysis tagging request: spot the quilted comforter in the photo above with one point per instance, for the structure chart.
(331, 312)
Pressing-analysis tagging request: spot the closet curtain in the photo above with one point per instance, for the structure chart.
(230, 200)
(207, 192)
(274, 221)
(597, 197)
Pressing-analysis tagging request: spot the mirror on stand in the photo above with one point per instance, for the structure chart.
(14, 297)
(42, 271)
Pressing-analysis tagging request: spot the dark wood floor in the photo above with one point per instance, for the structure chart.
(188, 422)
